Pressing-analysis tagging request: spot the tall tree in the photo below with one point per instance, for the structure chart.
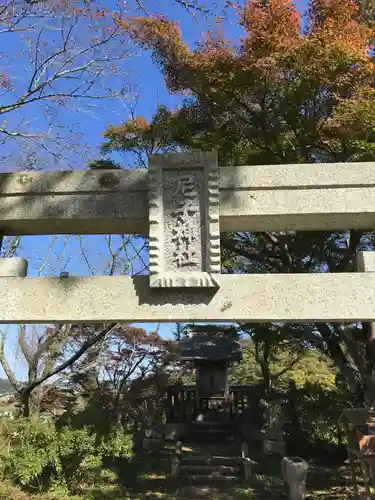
(92, 359)
(130, 359)
(59, 59)
(47, 354)
(280, 94)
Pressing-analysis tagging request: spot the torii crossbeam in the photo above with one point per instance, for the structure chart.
(183, 203)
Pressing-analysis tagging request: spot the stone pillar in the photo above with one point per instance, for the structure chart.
(295, 472)
(184, 229)
(175, 460)
(246, 462)
(13, 267)
(366, 264)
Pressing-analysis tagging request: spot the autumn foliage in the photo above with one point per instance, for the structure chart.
(286, 91)
(273, 33)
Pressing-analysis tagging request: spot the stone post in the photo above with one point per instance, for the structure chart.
(175, 460)
(13, 267)
(246, 462)
(366, 264)
(295, 472)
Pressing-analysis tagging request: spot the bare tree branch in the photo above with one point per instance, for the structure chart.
(74, 70)
(23, 345)
(8, 372)
(75, 357)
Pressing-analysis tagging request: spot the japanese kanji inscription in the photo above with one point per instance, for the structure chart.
(184, 220)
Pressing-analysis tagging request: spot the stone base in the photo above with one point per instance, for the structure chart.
(13, 267)
(175, 432)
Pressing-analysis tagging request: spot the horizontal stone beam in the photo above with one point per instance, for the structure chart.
(344, 297)
(252, 198)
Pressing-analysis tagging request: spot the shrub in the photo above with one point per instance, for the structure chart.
(32, 448)
(5, 489)
(313, 414)
(37, 455)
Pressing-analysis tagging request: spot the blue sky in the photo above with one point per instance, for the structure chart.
(65, 254)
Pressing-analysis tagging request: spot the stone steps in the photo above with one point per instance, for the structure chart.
(205, 467)
(210, 478)
(211, 453)
(212, 432)
(212, 450)
(224, 470)
(194, 460)
(210, 467)
(213, 426)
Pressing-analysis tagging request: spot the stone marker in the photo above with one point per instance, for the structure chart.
(295, 472)
(175, 460)
(246, 461)
(184, 220)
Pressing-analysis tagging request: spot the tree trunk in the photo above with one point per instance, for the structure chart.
(296, 433)
(262, 358)
(30, 402)
(118, 414)
(352, 377)
(26, 403)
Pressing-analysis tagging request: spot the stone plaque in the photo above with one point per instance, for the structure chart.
(184, 220)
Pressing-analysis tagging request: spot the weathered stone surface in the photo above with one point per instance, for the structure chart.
(252, 198)
(274, 446)
(248, 298)
(13, 267)
(366, 262)
(184, 230)
(175, 466)
(72, 182)
(75, 214)
(295, 472)
(303, 175)
(292, 176)
(304, 209)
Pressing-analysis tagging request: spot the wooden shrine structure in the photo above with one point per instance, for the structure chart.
(210, 354)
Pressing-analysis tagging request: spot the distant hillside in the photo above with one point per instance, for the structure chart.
(5, 386)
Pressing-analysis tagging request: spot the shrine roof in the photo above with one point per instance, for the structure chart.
(210, 347)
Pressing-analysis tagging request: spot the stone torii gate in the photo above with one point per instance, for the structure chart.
(183, 202)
